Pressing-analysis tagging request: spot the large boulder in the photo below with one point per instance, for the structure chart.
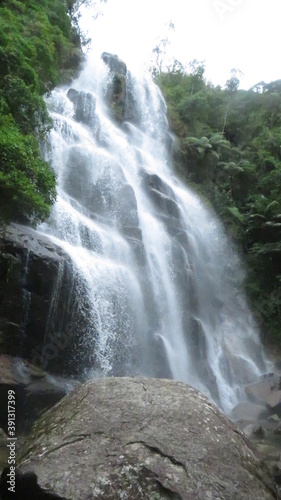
(133, 438)
(267, 390)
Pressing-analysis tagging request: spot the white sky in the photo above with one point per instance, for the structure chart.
(242, 34)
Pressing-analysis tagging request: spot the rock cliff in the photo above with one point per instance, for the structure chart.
(40, 318)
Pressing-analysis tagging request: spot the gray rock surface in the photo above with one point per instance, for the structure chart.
(120, 94)
(132, 438)
(248, 412)
(115, 64)
(116, 94)
(106, 194)
(40, 319)
(84, 106)
(30, 265)
(260, 420)
(267, 390)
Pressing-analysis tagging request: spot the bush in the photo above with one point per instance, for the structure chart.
(27, 183)
(38, 50)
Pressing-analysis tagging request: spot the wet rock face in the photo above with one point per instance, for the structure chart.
(40, 319)
(163, 199)
(104, 190)
(105, 193)
(114, 63)
(119, 95)
(84, 106)
(116, 91)
(134, 438)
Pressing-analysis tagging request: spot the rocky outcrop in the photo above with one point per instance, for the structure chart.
(263, 404)
(266, 391)
(163, 199)
(105, 192)
(40, 319)
(116, 91)
(119, 95)
(114, 63)
(134, 438)
(84, 106)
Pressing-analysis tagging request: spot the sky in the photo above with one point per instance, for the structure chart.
(226, 34)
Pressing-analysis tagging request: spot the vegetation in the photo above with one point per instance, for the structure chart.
(229, 149)
(38, 49)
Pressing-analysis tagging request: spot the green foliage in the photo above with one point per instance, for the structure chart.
(37, 42)
(27, 183)
(229, 149)
(38, 49)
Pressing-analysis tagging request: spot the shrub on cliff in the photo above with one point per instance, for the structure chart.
(27, 183)
(38, 49)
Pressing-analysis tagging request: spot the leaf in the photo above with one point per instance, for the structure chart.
(272, 206)
(236, 214)
(232, 168)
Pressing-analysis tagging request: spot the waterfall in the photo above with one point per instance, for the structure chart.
(163, 283)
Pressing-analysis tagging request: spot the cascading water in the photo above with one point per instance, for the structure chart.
(163, 284)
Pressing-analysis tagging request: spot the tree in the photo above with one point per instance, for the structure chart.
(233, 83)
(159, 52)
(73, 7)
